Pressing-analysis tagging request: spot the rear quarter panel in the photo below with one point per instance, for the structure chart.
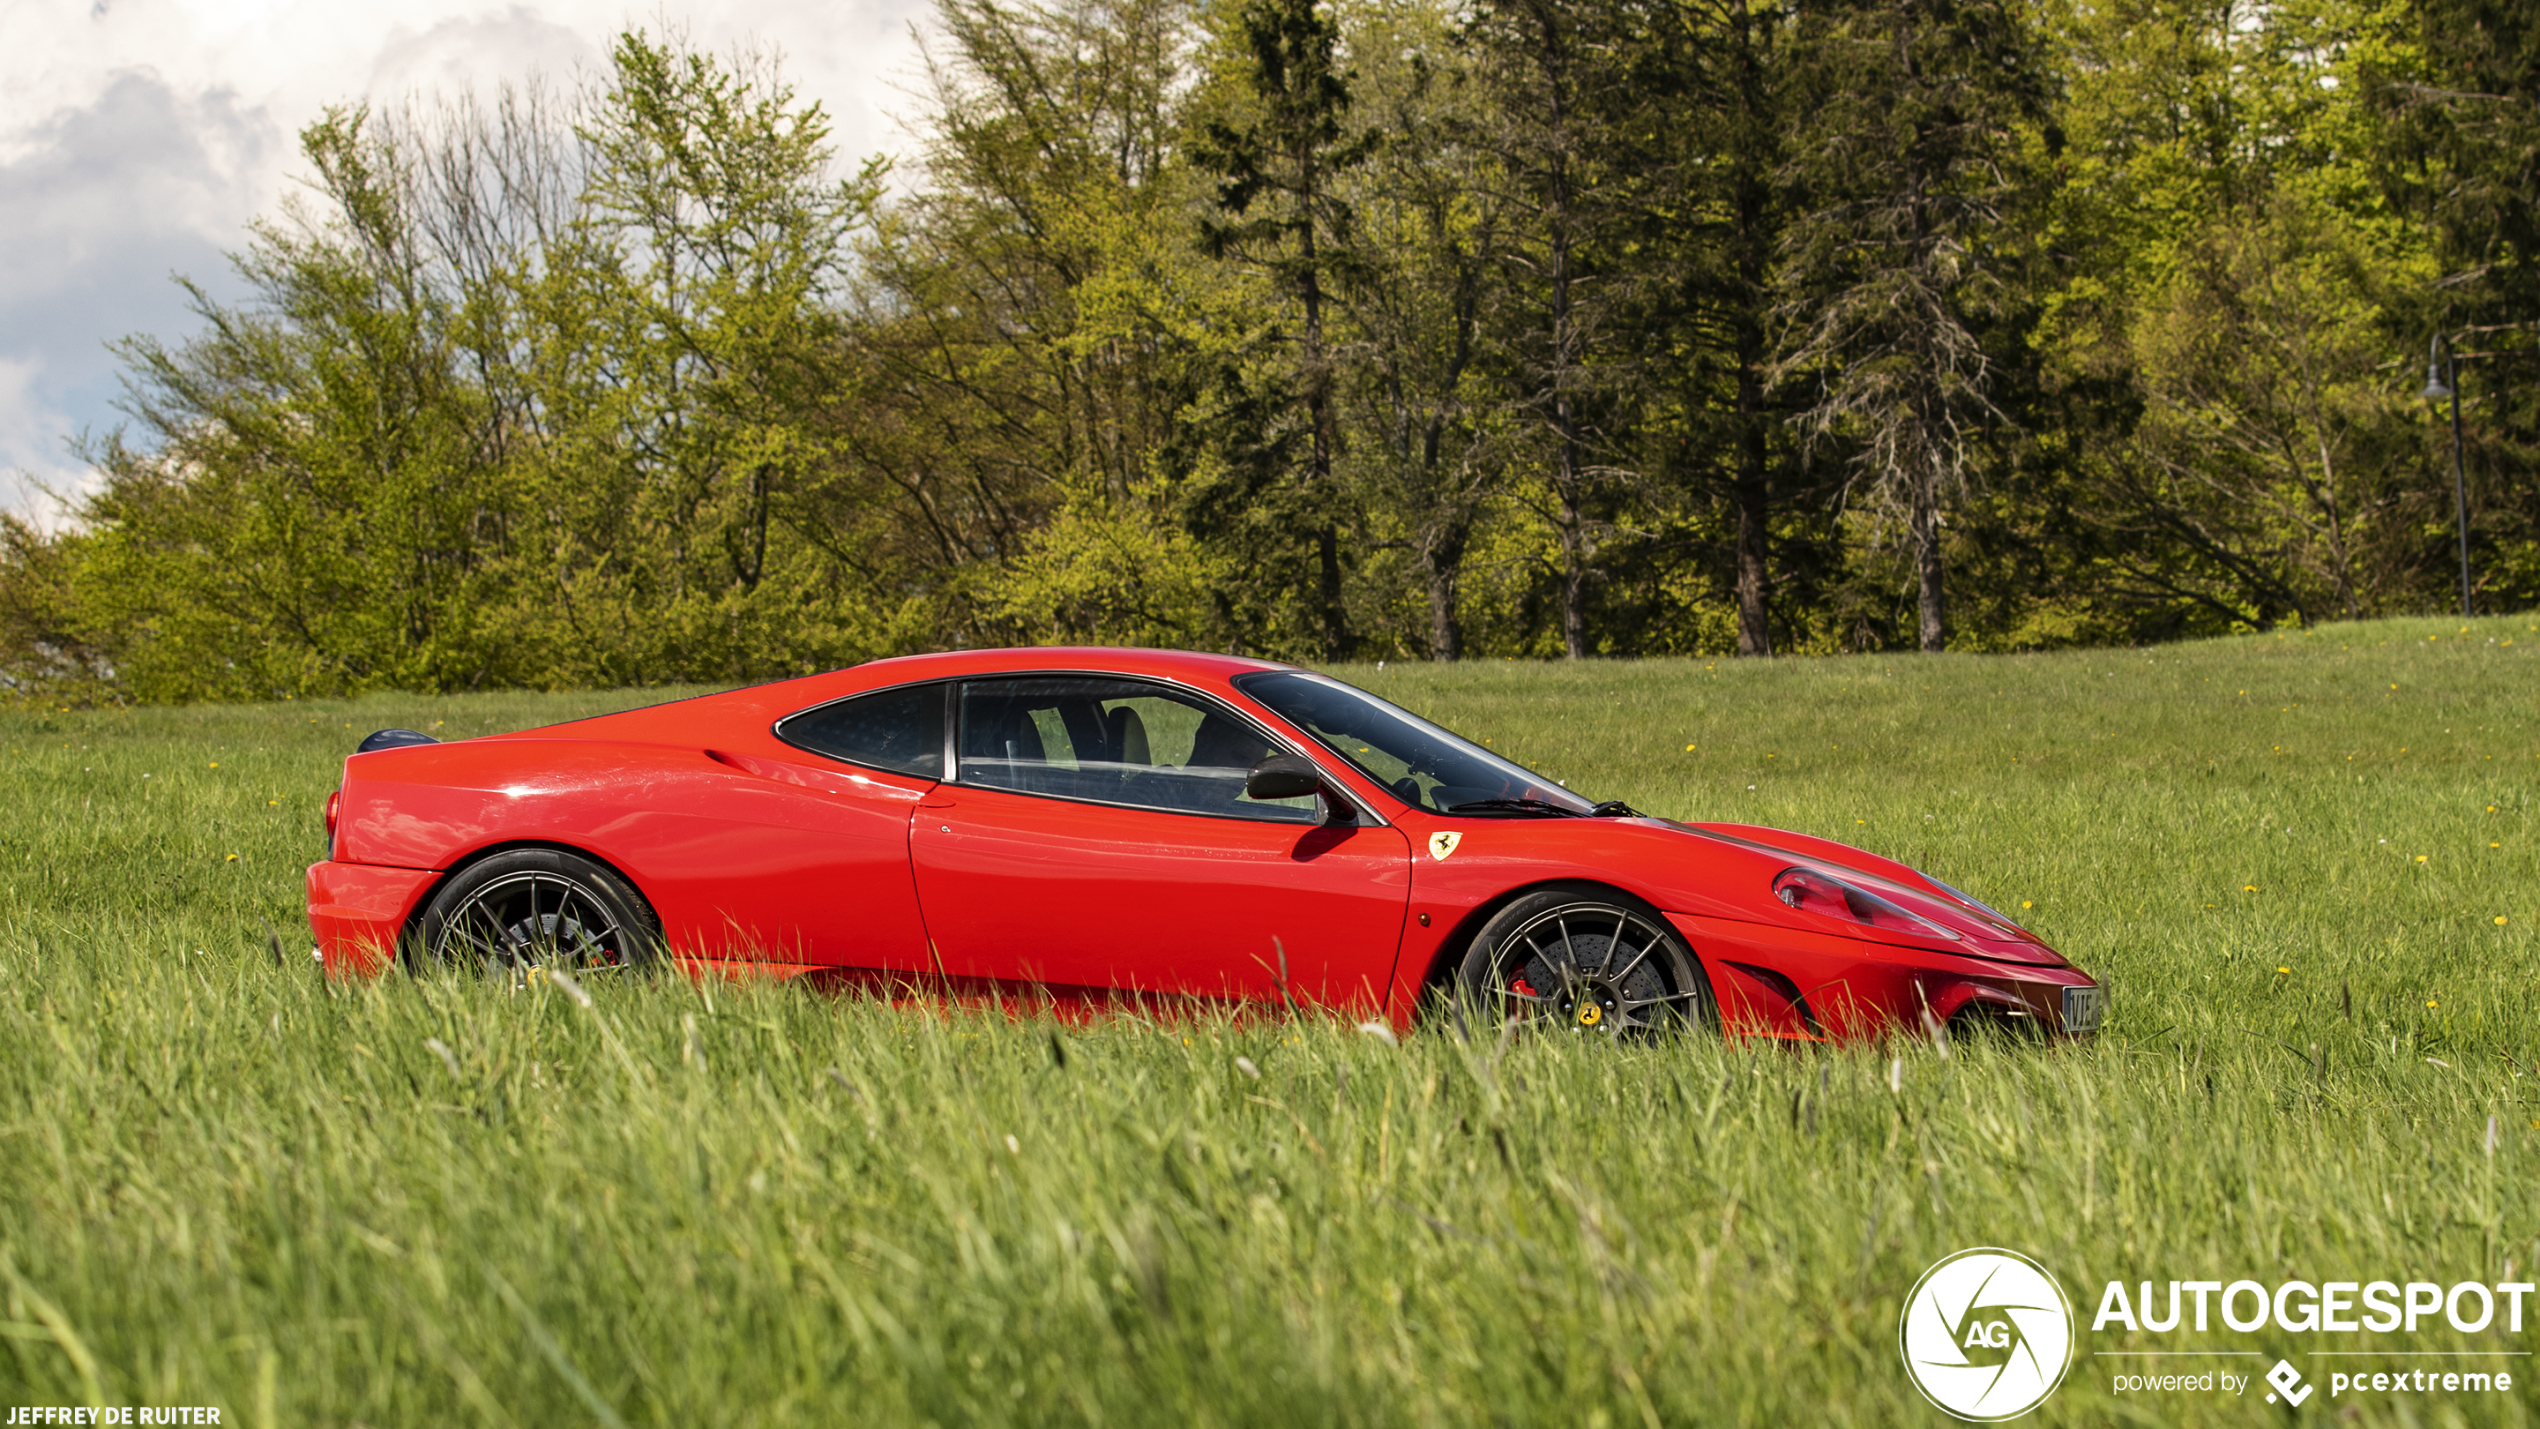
(739, 862)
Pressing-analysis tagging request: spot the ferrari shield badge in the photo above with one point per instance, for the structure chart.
(1443, 843)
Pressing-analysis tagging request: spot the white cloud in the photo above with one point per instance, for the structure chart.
(31, 461)
(105, 202)
(139, 137)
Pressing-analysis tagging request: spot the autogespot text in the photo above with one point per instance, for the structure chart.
(2331, 1307)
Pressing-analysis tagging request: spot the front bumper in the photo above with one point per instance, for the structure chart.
(1796, 983)
(358, 910)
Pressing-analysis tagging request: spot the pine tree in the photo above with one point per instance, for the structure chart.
(1279, 158)
(1713, 82)
(1555, 84)
(1906, 165)
(1426, 454)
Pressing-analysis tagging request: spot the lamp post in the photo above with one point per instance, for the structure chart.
(2442, 380)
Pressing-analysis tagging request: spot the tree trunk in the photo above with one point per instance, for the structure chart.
(1327, 547)
(1318, 406)
(1444, 559)
(1573, 577)
(1571, 478)
(1327, 536)
(2325, 496)
(1934, 621)
(1753, 493)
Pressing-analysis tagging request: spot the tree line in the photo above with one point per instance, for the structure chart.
(1356, 329)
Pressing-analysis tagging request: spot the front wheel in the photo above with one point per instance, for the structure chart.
(1587, 961)
(537, 907)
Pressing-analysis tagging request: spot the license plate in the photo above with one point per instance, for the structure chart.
(2084, 1008)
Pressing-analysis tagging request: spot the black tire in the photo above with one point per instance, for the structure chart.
(1588, 959)
(536, 907)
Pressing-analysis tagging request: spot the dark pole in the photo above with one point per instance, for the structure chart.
(2443, 379)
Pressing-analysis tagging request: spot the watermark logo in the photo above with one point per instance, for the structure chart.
(2288, 1382)
(1987, 1334)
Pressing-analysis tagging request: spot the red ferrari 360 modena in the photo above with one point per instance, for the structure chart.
(1089, 823)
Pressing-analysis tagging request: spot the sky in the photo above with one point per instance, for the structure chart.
(138, 138)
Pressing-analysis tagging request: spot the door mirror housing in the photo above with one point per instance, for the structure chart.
(1293, 776)
(1283, 776)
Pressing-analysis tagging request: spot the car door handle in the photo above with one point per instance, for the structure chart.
(936, 802)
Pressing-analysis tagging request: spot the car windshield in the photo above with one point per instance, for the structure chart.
(1424, 766)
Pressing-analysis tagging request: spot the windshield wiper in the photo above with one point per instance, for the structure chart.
(1510, 806)
(1610, 809)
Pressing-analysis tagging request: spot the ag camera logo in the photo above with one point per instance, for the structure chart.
(1987, 1334)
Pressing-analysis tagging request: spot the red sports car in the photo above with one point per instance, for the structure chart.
(1089, 823)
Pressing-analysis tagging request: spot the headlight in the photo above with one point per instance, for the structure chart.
(1978, 904)
(1810, 891)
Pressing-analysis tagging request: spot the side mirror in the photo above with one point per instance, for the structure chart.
(1283, 776)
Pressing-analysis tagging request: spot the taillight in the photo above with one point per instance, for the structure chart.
(334, 801)
(1811, 891)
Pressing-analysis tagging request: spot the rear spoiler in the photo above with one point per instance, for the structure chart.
(393, 739)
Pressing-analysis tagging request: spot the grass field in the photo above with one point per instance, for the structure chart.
(2305, 863)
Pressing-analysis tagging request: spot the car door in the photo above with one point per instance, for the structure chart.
(1097, 834)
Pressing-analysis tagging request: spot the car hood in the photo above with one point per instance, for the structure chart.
(1720, 869)
(1983, 932)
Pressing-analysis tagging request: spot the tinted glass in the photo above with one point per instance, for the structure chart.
(1422, 764)
(1115, 742)
(901, 730)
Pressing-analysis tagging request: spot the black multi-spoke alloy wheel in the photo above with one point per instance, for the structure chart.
(1586, 960)
(537, 907)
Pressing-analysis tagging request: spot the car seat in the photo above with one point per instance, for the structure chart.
(1014, 737)
(1125, 737)
(1222, 743)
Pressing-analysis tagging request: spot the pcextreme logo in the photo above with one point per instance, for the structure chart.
(1987, 1334)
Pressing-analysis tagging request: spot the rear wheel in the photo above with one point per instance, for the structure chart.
(1585, 960)
(537, 907)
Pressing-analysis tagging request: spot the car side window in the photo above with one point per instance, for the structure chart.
(900, 729)
(1122, 742)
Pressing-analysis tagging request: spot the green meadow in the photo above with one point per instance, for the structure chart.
(2304, 863)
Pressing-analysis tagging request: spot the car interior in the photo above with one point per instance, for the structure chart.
(1114, 742)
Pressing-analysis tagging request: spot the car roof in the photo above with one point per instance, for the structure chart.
(1125, 659)
(760, 705)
